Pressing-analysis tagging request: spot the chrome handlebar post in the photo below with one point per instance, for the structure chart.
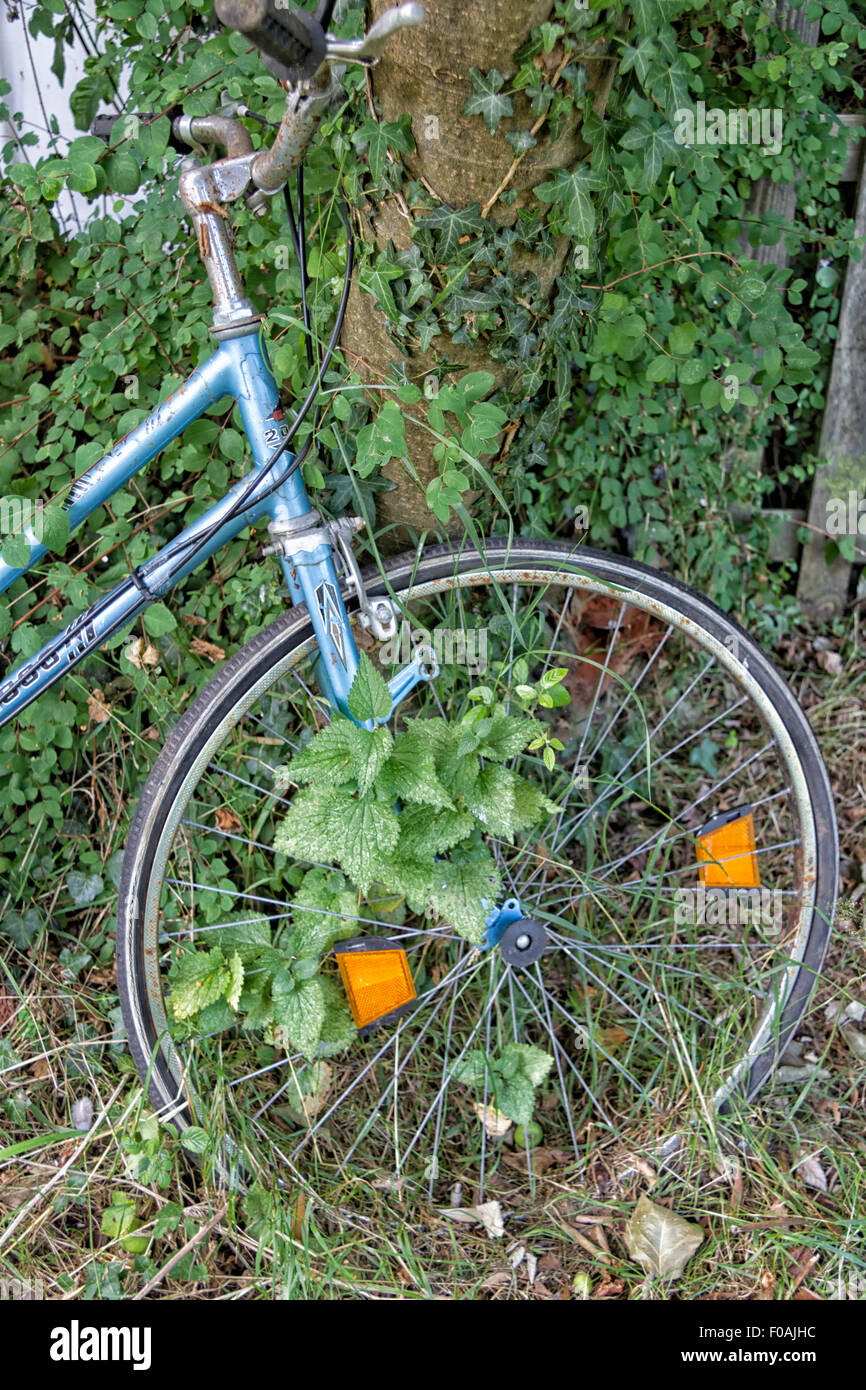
(257, 175)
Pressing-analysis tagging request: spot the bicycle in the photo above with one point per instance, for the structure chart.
(688, 780)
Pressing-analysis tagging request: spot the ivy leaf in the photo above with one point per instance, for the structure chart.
(451, 227)
(638, 57)
(570, 190)
(658, 145)
(669, 82)
(83, 888)
(660, 1241)
(378, 136)
(369, 697)
(375, 279)
(488, 99)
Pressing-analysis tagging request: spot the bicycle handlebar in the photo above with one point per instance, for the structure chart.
(293, 40)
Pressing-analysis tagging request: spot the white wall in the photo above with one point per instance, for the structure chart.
(29, 75)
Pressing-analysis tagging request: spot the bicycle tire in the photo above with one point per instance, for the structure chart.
(253, 672)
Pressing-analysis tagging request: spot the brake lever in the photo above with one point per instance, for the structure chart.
(370, 48)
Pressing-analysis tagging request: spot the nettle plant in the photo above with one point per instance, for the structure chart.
(390, 823)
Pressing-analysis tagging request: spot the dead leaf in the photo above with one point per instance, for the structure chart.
(660, 1241)
(857, 1043)
(540, 1158)
(611, 1037)
(493, 1120)
(610, 1288)
(831, 662)
(811, 1172)
(8, 1005)
(208, 649)
(142, 653)
(98, 707)
(767, 1287)
(226, 819)
(490, 1216)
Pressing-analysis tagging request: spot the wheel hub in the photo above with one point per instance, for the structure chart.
(523, 942)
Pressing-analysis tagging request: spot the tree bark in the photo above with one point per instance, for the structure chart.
(425, 74)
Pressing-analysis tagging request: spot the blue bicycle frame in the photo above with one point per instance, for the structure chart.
(238, 368)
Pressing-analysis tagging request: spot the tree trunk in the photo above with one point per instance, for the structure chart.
(425, 74)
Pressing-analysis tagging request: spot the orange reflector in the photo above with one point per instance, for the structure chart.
(376, 978)
(726, 851)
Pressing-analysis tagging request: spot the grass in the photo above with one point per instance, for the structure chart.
(778, 1193)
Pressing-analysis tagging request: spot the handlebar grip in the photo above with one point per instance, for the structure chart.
(101, 126)
(292, 39)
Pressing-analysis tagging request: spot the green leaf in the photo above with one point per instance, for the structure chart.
(16, 552)
(341, 753)
(457, 890)
(246, 937)
(158, 620)
(324, 910)
(532, 1061)
(376, 280)
(383, 439)
(410, 772)
(488, 99)
(198, 979)
(506, 736)
(426, 831)
(369, 697)
(83, 888)
(451, 227)
(368, 838)
(54, 522)
(515, 1097)
(299, 1012)
(570, 190)
(123, 172)
(681, 339)
(377, 137)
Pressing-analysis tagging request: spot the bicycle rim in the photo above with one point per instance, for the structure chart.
(651, 1002)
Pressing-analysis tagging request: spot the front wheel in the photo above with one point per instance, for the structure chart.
(677, 898)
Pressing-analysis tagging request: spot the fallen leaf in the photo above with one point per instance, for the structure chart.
(857, 1043)
(493, 1120)
(208, 649)
(226, 819)
(853, 1012)
(142, 653)
(611, 1037)
(490, 1216)
(98, 707)
(811, 1172)
(661, 1241)
(609, 1288)
(831, 662)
